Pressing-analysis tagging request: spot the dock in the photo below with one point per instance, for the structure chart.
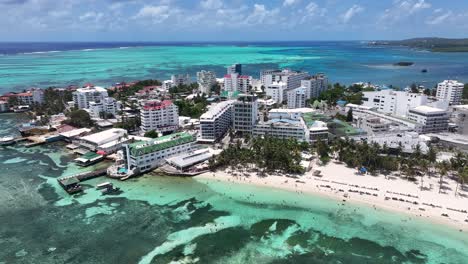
(71, 184)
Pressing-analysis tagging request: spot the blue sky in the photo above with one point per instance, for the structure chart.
(226, 20)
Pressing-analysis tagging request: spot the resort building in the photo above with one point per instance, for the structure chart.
(318, 131)
(282, 128)
(451, 91)
(277, 92)
(373, 125)
(460, 117)
(161, 116)
(315, 85)
(167, 84)
(397, 123)
(206, 79)
(180, 79)
(398, 102)
(82, 97)
(297, 98)
(294, 114)
(407, 141)
(185, 161)
(432, 119)
(245, 113)
(292, 79)
(108, 141)
(237, 83)
(4, 106)
(235, 68)
(144, 156)
(216, 122)
(103, 108)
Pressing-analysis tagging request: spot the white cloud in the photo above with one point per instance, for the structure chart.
(261, 15)
(351, 12)
(211, 4)
(156, 14)
(403, 9)
(440, 18)
(290, 2)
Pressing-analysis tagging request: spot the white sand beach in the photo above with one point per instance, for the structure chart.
(388, 193)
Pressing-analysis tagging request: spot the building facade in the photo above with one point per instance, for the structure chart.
(292, 79)
(237, 83)
(180, 79)
(297, 98)
(162, 116)
(82, 97)
(206, 79)
(235, 68)
(460, 114)
(432, 119)
(245, 113)
(282, 128)
(451, 91)
(398, 102)
(315, 85)
(216, 122)
(144, 156)
(277, 91)
(107, 106)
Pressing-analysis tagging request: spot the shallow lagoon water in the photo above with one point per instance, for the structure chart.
(344, 62)
(173, 220)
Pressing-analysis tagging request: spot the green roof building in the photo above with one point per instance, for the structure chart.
(147, 155)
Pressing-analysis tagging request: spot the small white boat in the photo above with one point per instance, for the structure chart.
(6, 141)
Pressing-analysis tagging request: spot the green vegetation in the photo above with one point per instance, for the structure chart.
(351, 94)
(79, 118)
(267, 154)
(194, 108)
(432, 44)
(151, 134)
(181, 89)
(129, 91)
(130, 124)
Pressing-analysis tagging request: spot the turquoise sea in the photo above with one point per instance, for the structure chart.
(23, 65)
(173, 220)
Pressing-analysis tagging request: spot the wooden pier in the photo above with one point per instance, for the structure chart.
(71, 184)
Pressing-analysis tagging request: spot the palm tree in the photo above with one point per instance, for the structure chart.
(424, 168)
(443, 169)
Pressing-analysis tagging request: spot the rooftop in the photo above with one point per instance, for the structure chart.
(144, 147)
(156, 105)
(191, 158)
(105, 136)
(424, 109)
(91, 89)
(216, 109)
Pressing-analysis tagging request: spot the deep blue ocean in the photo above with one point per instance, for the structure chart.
(23, 65)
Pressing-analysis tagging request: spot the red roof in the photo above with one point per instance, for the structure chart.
(156, 105)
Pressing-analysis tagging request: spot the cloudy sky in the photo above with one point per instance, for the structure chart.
(225, 20)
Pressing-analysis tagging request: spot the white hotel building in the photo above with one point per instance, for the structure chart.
(237, 83)
(245, 113)
(292, 79)
(315, 85)
(205, 80)
(216, 122)
(451, 91)
(297, 98)
(398, 102)
(277, 91)
(144, 156)
(432, 119)
(162, 116)
(108, 106)
(82, 97)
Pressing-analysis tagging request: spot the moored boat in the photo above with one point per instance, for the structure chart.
(6, 141)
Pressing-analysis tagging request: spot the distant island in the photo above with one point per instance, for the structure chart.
(404, 63)
(431, 44)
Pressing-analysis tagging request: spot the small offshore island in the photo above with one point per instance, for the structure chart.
(432, 44)
(287, 159)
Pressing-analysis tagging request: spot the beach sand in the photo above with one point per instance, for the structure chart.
(345, 184)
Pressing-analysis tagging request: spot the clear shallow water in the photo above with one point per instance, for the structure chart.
(55, 64)
(163, 219)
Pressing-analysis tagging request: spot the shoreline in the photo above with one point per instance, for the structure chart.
(338, 190)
